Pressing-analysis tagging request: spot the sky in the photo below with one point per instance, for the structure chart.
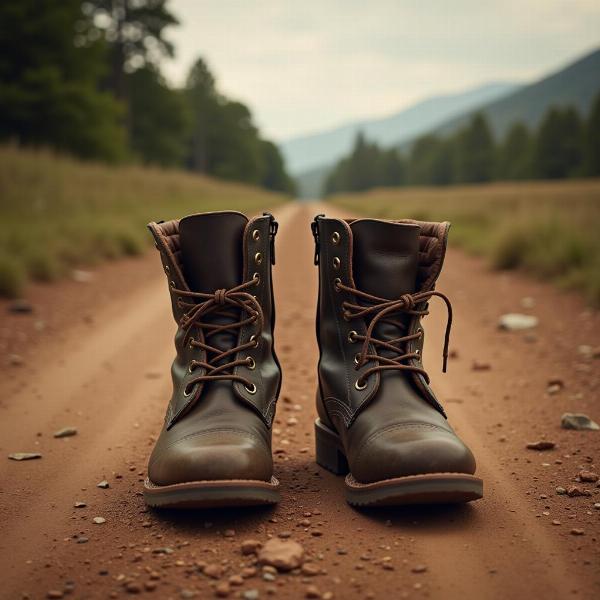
(303, 66)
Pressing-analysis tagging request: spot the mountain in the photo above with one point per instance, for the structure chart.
(574, 85)
(306, 153)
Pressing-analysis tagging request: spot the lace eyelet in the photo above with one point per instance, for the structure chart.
(335, 238)
(254, 341)
(336, 263)
(172, 284)
(420, 332)
(191, 343)
(167, 270)
(352, 337)
(256, 277)
(251, 363)
(187, 393)
(357, 359)
(191, 367)
(251, 389)
(256, 235)
(360, 386)
(417, 352)
(336, 284)
(258, 258)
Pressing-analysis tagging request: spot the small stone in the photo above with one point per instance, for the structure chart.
(80, 276)
(541, 445)
(588, 476)
(150, 586)
(24, 455)
(250, 547)
(310, 570)
(555, 522)
(213, 571)
(65, 432)
(292, 421)
(517, 322)
(578, 421)
(478, 365)
(15, 360)
(20, 306)
(185, 594)
(284, 555)
(312, 592)
(79, 504)
(236, 580)
(268, 577)
(222, 590)
(251, 595)
(82, 539)
(99, 520)
(561, 491)
(576, 531)
(419, 569)
(132, 587)
(103, 484)
(53, 594)
(597, 505)
(575, 491)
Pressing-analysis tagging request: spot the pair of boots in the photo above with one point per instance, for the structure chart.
(378, 421)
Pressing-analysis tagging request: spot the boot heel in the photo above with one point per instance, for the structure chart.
(328, 450)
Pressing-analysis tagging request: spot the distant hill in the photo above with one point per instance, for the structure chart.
(576, 84)
(307, 152)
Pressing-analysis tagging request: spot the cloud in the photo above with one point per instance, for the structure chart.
(304, 66)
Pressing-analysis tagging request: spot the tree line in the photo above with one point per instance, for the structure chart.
(565, 144)
(85, 78)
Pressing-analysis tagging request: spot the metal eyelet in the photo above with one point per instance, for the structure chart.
(417, 352)
(251, 389)
(250, 362)
(336, 283)
(420, 332)
(191, 343)
(352, 337)
(335, 238)
(172, 284)
(258, 258)
(191, 367)
(256, 276)
(360, 386)
(336, 263)
(187, 393)
(256, 235)
(253, 340)
(357, 359)
(167, 270)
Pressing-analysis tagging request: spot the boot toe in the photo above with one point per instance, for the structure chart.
(411, 449)
(212, 456)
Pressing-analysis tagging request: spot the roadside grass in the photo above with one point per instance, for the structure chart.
(58, 213)
(548, 229)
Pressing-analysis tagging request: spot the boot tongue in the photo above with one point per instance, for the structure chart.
(385, 257)
(212, 250)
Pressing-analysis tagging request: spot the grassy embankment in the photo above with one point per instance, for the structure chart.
(57, 213)
(549, 229)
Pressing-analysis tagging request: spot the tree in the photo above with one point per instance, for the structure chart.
(474, 151)
(592, 140)
(515, 154)
(274, 176)
(160, 119)
(558, 145)
(49, 86)
(431, 161)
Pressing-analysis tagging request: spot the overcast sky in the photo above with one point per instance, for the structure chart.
(304, 65)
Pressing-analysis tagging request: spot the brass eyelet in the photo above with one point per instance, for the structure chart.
(417, 352)
(335, 238)
(253, 340)
(336, 284)
(360, 386)
(336, 263)
(167, 270)
(352, 337)
(258, 258)
(251, 389)
(256, 277)
(172, 284)
(187, 393)
(357, 359)
(250, 362)
(256, 235)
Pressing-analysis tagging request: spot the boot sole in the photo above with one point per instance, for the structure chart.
(430, 488)
(212, 494)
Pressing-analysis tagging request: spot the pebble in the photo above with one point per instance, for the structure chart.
(185, 594)
(478, 365)
(588, 476)
(312, 592)
(213, 571)
(517, 322)
(99, 520)
(575, 491)
(82, 539)
(541, 445)
(419, 569)
(222, 590)
(80, 504)
(576, 531)
(80, 276)
(16, 360)
(132, 587)
(284, 555)
(250, 547)
(561, 491)
(251, 595)
(229, 533)
(53, 594)
(24, 455)
(65, 432)
(310, 570)
(597, 505)
(103, 484)
(20, 306)
(578, 421)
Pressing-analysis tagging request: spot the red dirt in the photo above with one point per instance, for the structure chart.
(100, 361)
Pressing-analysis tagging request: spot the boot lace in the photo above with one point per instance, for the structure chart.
(231, 304)
(384, 310)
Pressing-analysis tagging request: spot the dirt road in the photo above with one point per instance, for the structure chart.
(95, 356)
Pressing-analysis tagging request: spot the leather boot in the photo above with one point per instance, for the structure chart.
(379, 420)
(215, 446)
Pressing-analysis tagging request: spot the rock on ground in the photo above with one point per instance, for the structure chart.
(284, 555)
(578, 421)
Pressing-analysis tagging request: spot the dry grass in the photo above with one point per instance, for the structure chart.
(57, 213)
(550, 229)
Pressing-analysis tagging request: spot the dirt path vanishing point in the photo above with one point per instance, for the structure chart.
(96, 356)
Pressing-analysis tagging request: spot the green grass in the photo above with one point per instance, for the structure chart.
(549, 229)
(57, 213)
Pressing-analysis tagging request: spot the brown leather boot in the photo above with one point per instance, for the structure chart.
(379, 420)
(215, 445)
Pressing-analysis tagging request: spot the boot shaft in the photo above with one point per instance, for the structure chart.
(366, 265)
(218, 266)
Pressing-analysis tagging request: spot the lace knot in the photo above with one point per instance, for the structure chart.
(408, 301)
(220, 297)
